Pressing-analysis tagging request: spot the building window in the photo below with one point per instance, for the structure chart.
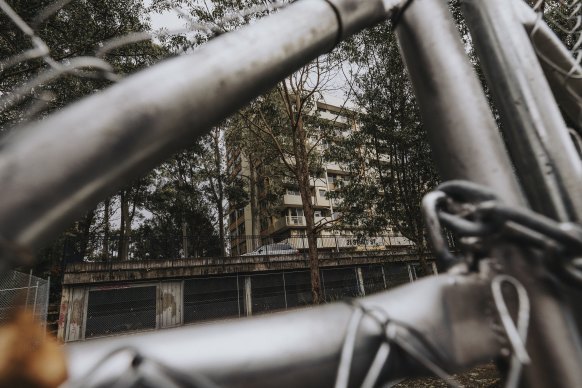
(322, 193)
(296, 212)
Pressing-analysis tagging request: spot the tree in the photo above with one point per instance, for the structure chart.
(285, 121)
(391, 169)
(216, 183)
(77, 29)
(279, 133)
(179, 209)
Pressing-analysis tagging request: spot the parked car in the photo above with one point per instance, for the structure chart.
(274, 249)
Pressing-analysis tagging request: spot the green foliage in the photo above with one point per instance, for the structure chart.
(77, 29)
(388, 157)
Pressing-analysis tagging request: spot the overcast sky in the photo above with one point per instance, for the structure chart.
(167, 20)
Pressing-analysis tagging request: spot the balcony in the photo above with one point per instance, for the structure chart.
(322, 220)
(317, 182)
(295, 220)
(332, 116)
(333, 167)
(287, 222)
(321, 201)
(291, 199)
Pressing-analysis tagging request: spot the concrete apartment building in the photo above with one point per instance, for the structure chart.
(289, 224)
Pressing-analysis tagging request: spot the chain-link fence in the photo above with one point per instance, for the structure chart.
(120, 310)
(19, 290)
(110, 310)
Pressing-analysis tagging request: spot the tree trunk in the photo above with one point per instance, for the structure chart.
(124, 227)
(421, 250)
(220, 189)
(106, 216)
(254, 202)
(85, 229)
(302, 163)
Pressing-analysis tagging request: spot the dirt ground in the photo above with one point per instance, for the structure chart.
(485, 376)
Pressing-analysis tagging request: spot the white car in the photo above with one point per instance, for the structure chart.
(274, 249)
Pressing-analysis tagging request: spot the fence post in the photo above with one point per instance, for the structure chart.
(248, 297)
(34, 303)
(284, 289)
(184, 240)
(48, 295)
(238, 293)
(434, 269)
(28, 289)
(360, 281)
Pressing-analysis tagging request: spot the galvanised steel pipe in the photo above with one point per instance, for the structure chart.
(462, 131)
(560, 67)
(303, 347)
(467, 145)
(57, 169)
(538, 139)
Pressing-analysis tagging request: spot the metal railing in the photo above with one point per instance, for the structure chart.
(98, 248)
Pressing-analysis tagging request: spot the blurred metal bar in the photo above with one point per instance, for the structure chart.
(54, 171)
(462, 131)
(538, 140)
(551, 174)
(560, 67)
(467, 145)
(263, 351)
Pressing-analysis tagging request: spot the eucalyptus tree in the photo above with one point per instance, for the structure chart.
(283, 121)
(388, 157)
(49, 37)
(46, 38)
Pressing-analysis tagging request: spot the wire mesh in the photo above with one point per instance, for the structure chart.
(213, 298)
(113, 310)
(30, 83)
(374, 279)
(396, 274)
(268, 293)
(120, 310)
(340, 283)
(565, 18)
(19, 290)
(142, 246)
(297, 288)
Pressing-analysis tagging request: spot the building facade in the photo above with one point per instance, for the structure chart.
(287, 223)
